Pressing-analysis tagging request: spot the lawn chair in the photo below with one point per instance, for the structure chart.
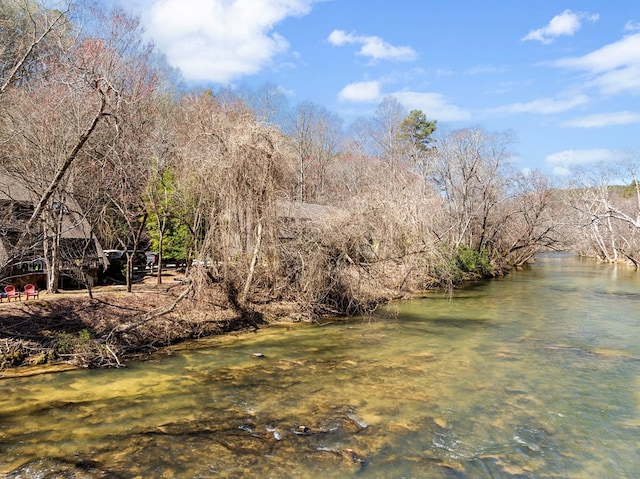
(11, 292)
(30, 291)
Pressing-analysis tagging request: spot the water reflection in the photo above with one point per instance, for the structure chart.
(533, 375)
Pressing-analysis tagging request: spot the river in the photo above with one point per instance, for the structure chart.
(535, 375)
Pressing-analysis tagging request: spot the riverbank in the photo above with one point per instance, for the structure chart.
(113, 326)
(71, 329)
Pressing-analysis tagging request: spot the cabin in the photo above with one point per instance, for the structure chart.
(79, 252)
(295, 216)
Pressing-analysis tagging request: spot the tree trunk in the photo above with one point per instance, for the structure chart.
(160, 248)
(252, 268)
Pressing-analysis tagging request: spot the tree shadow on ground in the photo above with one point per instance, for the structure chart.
(42, 320)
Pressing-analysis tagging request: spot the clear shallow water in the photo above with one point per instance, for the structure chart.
(533, 375)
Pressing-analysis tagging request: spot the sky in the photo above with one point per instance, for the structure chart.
(562, 76)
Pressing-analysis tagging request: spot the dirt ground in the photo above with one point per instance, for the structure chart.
(115, 326)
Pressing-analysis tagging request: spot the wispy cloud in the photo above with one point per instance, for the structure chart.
(562, 162)
(632, 27)
(433, 105)
(610, 57)
(615, 68)
(566, 23)
(600, 120)
(217, 40)
(367, 91)
(544, 106)
(508, 86)
(486, 69)
(372, 46)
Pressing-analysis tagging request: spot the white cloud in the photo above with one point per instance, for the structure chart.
(612, 56)
(373, 47)
(600, 120)
(367, 91)
(433, 105)
(563, 161)
(544, 106)
(217, 40)
(615, 67)
(624, 80)
(632, 27)
(566, 23)
(337, 38)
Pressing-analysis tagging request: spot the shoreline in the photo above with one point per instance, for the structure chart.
(70, 330)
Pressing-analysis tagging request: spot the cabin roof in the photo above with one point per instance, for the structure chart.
(300, 210)
(14, 190)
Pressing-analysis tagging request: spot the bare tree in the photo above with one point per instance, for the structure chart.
(525, 222)
(315, 135)
(32, 37)
(606, 203)
(228, 171)
(46, 128)
(471, 175)
(268, 103)
(95, 104)
(124, 156)
(381, 135)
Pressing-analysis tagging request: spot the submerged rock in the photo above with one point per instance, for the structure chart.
(273, 432)
(441, 423)
(344, 458)
(302, 431)
(54, 469)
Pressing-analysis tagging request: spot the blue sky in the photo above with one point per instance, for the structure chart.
(564, 76)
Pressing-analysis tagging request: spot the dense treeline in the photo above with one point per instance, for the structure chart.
(261, 202)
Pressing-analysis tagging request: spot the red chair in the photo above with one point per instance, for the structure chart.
(12, 293)
(30, 291)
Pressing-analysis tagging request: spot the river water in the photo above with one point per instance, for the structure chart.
(535, 375)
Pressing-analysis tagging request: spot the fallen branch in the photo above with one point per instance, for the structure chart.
(125, 328)
(113, 354)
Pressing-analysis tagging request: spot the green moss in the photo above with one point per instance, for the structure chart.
(64, 343)
(13, 359)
